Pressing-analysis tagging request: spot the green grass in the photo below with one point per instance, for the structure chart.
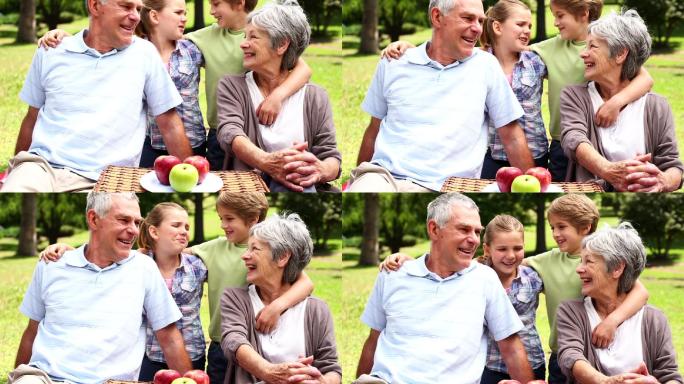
(15, 274)
(667, 69)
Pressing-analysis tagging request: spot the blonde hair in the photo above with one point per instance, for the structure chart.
(578, 7)
(499, 224)
(579, 210)
(499, 12)
(246, 205)
(154, 218)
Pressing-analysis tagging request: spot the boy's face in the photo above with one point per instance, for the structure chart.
(235, 228)
(570, 26)
(228, 16)
(567, 236)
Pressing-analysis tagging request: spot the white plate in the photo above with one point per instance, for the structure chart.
(211, 183)
(493, 187)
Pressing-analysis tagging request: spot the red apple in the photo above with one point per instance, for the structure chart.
(537, 382)
(505, 176)
(509, 382)
(183, 380)
(201, 164)
(162, 167)
(198, 375)
(542, 174)
(166, 376)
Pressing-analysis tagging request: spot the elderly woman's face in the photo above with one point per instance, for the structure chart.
(597, 61)
(594, 275)
(259, 262)
(257, 49)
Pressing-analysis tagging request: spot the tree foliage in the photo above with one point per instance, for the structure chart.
(322, 14)
(659, 219)
(322, 215)
(661, 16)
(57, 210)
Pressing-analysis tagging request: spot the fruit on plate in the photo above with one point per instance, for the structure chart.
(162, 167)
(505, 176)
(166, 376)
(201, 164)
(183, 177)
(198, 375)
(526, 183)
(542, 174)
(183, 380)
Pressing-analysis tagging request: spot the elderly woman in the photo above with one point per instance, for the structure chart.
(639, 152)
(612, 260)
(278, 250)
(298, 151)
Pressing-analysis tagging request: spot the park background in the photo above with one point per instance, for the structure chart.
(61, 217)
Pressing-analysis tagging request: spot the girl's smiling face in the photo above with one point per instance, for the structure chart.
(506, 251)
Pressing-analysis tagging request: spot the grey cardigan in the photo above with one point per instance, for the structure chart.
(237, 117)
(238, 327)
(574, 342)
(577, 126)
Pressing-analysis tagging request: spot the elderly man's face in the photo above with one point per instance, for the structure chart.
(257, 49)
(118, 19)
(460, 29)
(597, 61)
(117, 230)
(459, 238)
(594, 275)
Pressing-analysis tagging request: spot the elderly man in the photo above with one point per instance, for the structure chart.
(87, 104)
(86, 310)
(428, 320)
(429, 110)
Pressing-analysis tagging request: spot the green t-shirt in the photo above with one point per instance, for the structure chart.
(564, 67)
(226, 270)
(222, 56)
(557, 271)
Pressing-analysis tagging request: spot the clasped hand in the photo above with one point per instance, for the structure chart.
(296, 168)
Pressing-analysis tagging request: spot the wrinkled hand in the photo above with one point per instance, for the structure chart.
(394, 261)
(268, 110)
(274, 165)
(304, 169)
(54, 252)
(607, 114)
(52, 38)
(282, 372)
(395, 50)
(646, 177)
(307, 374)
(617, 173)
(267, 318)
(603, 334)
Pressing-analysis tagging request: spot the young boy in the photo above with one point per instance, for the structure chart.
(572, 217)
(220, 47)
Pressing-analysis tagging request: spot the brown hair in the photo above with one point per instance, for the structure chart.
(578, 7)
(154, 218)
(246, 205)
(579, 210)
(500, 223)
(249, 4)
(500, 12)
(144, 27)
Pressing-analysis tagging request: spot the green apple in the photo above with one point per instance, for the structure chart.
(183, 177)
(523, 183)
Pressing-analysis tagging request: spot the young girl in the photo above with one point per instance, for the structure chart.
(505, 34)
(504, 249)
(164, 235)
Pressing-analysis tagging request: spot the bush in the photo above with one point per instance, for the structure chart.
(351, 30)
(12, 231)
(659, 219)
(661, 16)
(9, 18)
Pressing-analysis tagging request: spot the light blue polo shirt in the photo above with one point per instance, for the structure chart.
(433, 329)
(435, 117)
(91, 319)
(93, 105)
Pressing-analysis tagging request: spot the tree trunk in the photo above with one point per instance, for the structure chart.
(371, 229)
(541, 226)
(199, 15)
(27, 230)
(199, 216)
(541, 21)
(27, 22)
(369, 28)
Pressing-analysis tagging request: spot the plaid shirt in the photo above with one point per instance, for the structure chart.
(527, 84)
(524, 295)
(184, 69)
(186, 290)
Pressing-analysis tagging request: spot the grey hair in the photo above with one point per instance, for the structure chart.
(626, 31)
(440, 209)
(444, 6)
(284, 20)
(286, 233)
(618, 246)
(101, 202)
